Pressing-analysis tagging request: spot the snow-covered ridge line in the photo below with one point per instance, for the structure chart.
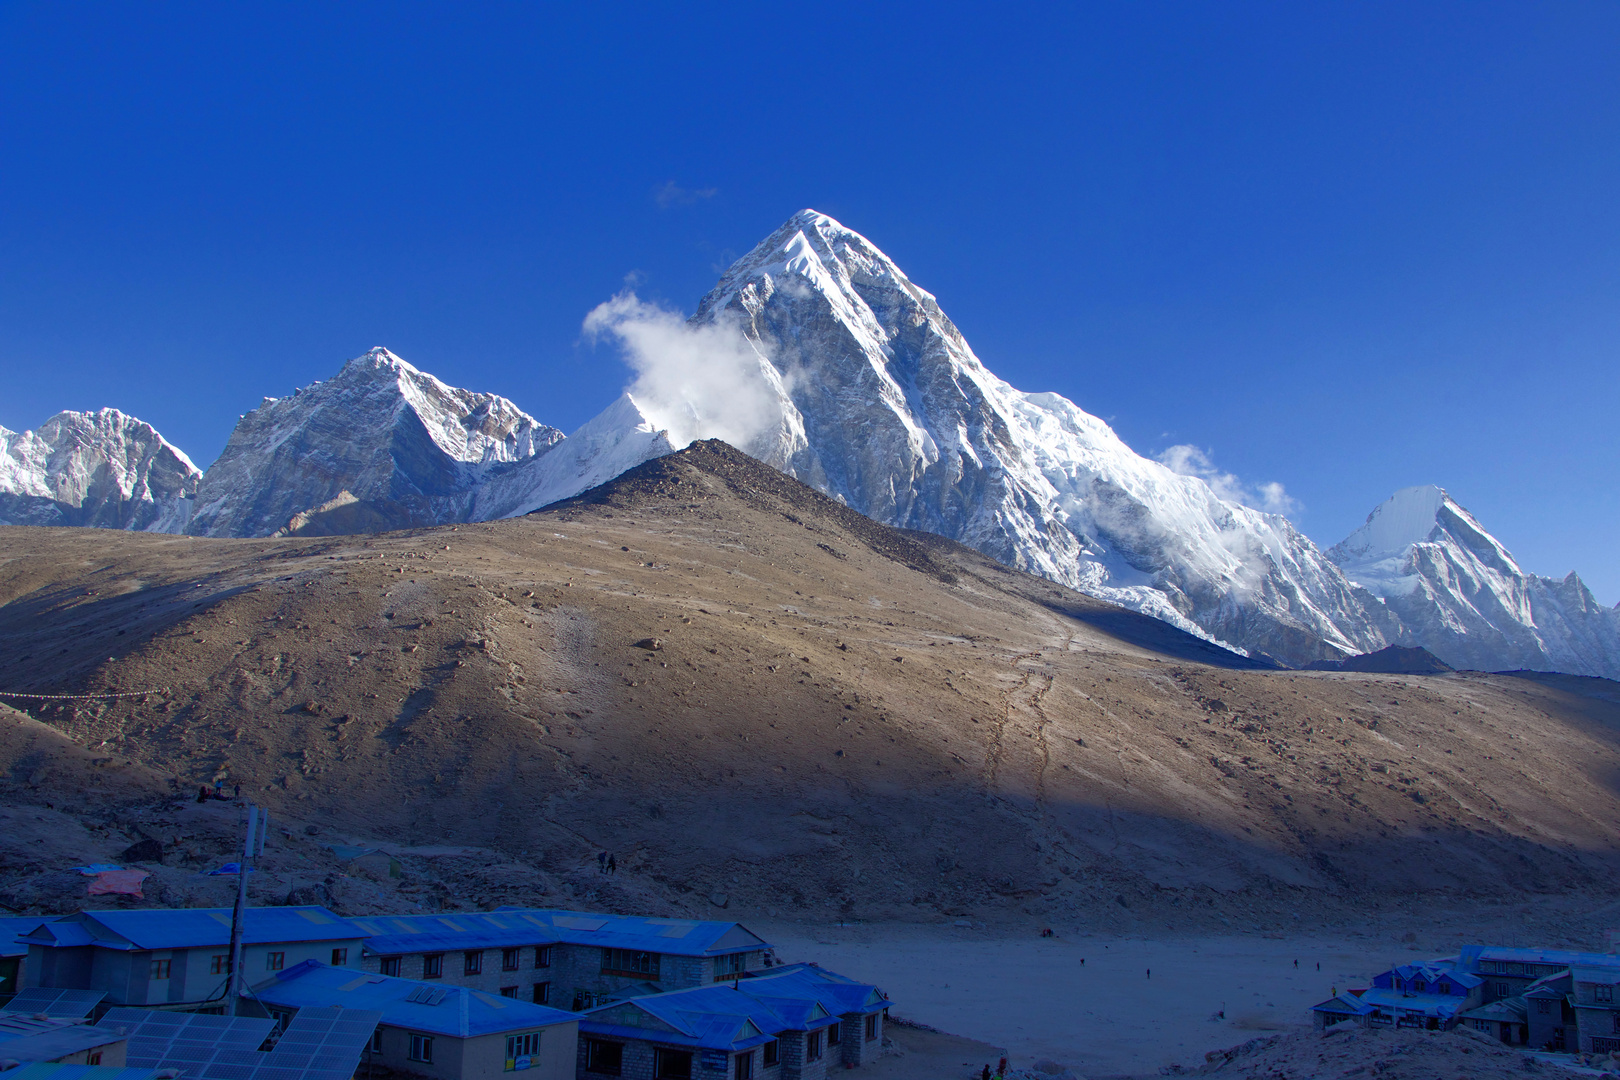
(859, 385)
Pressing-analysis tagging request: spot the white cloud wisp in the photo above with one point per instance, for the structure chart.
(1190, 460)
(696, 382)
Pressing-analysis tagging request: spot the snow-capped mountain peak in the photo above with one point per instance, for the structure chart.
(104, 468)
(1460, 593)
(903, 422)
(409, 449)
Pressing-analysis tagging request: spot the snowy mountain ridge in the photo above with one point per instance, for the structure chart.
(1460, 593)
(904, 423)
(102, 469)
(380, 446)
(816, 354)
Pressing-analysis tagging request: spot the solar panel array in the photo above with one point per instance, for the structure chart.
(185, 1041)
(319, 1044)
(74, 1004)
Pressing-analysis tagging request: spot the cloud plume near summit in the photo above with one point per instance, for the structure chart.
(1189, 460)
(695, 381)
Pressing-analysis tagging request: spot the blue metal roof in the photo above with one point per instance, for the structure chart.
(838, 995)
(29, 1038)
(1343, 1003)
(508, 926)
(191, 928)
(454, 1010)
(1436, 1005)
(737, 1015)
(1471, 955)
(1434, 972)
(13, 928)
(50, 1070)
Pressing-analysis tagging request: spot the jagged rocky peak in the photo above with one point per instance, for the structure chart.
(885, 406)
(104, 469)
(382, 445)
(1460, 593)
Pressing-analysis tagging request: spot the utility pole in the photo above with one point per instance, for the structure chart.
(238, 978)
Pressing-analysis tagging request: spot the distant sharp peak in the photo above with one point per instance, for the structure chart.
(1426, 514)
(1407, 517)
(104, 428)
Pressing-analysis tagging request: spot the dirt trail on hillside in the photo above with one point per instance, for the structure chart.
(759, 699)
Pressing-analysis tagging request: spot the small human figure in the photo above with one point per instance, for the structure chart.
(202, 793)
(1296, 964)
(1319, 965)
(601, 862)
(1150, 973)
(219, 789)
(238, 793)
(613, 864)
(1082, 961)
(1001, 1069)
(985, 1075)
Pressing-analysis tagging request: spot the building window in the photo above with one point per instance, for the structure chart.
(542, 993)
(472, 962)
(812, 1046)
(729, 967)
(282, 1018)
(422, 1048)
(340, 957)
(376, 1041)
(871, 1026)
(745, 1066)
(509, 991)
(630, 962)
(584, 999)
(1558, 1038)
(1616, 1018)
(1603, 993)
(275, 961)
(773, 1052)
(1502, 989)
(521, 1049)
(1445, 988)
(1543, 1005)
(94, 1058)
(509, 959)
(834, 1034)
(433, 965)
(219, 965)
(542, 956)
(672, 1064)
(391, 966)
(160, 969)
(604, 1057)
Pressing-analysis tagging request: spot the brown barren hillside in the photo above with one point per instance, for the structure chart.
(756, 697)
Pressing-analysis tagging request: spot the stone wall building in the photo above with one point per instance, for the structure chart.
(565, 959)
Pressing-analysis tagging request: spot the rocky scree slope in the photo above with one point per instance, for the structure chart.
(102, 469)
(1460, 593)
(762, 700)
(381, 446)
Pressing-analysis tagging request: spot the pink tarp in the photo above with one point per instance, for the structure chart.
(125, 882)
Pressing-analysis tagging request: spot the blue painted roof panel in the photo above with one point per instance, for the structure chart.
(50, 1070)
(191, 928)
(457, 1011)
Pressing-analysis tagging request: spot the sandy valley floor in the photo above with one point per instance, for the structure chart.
(1104, 1017)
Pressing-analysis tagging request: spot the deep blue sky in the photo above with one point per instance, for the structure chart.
(1348, 247)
